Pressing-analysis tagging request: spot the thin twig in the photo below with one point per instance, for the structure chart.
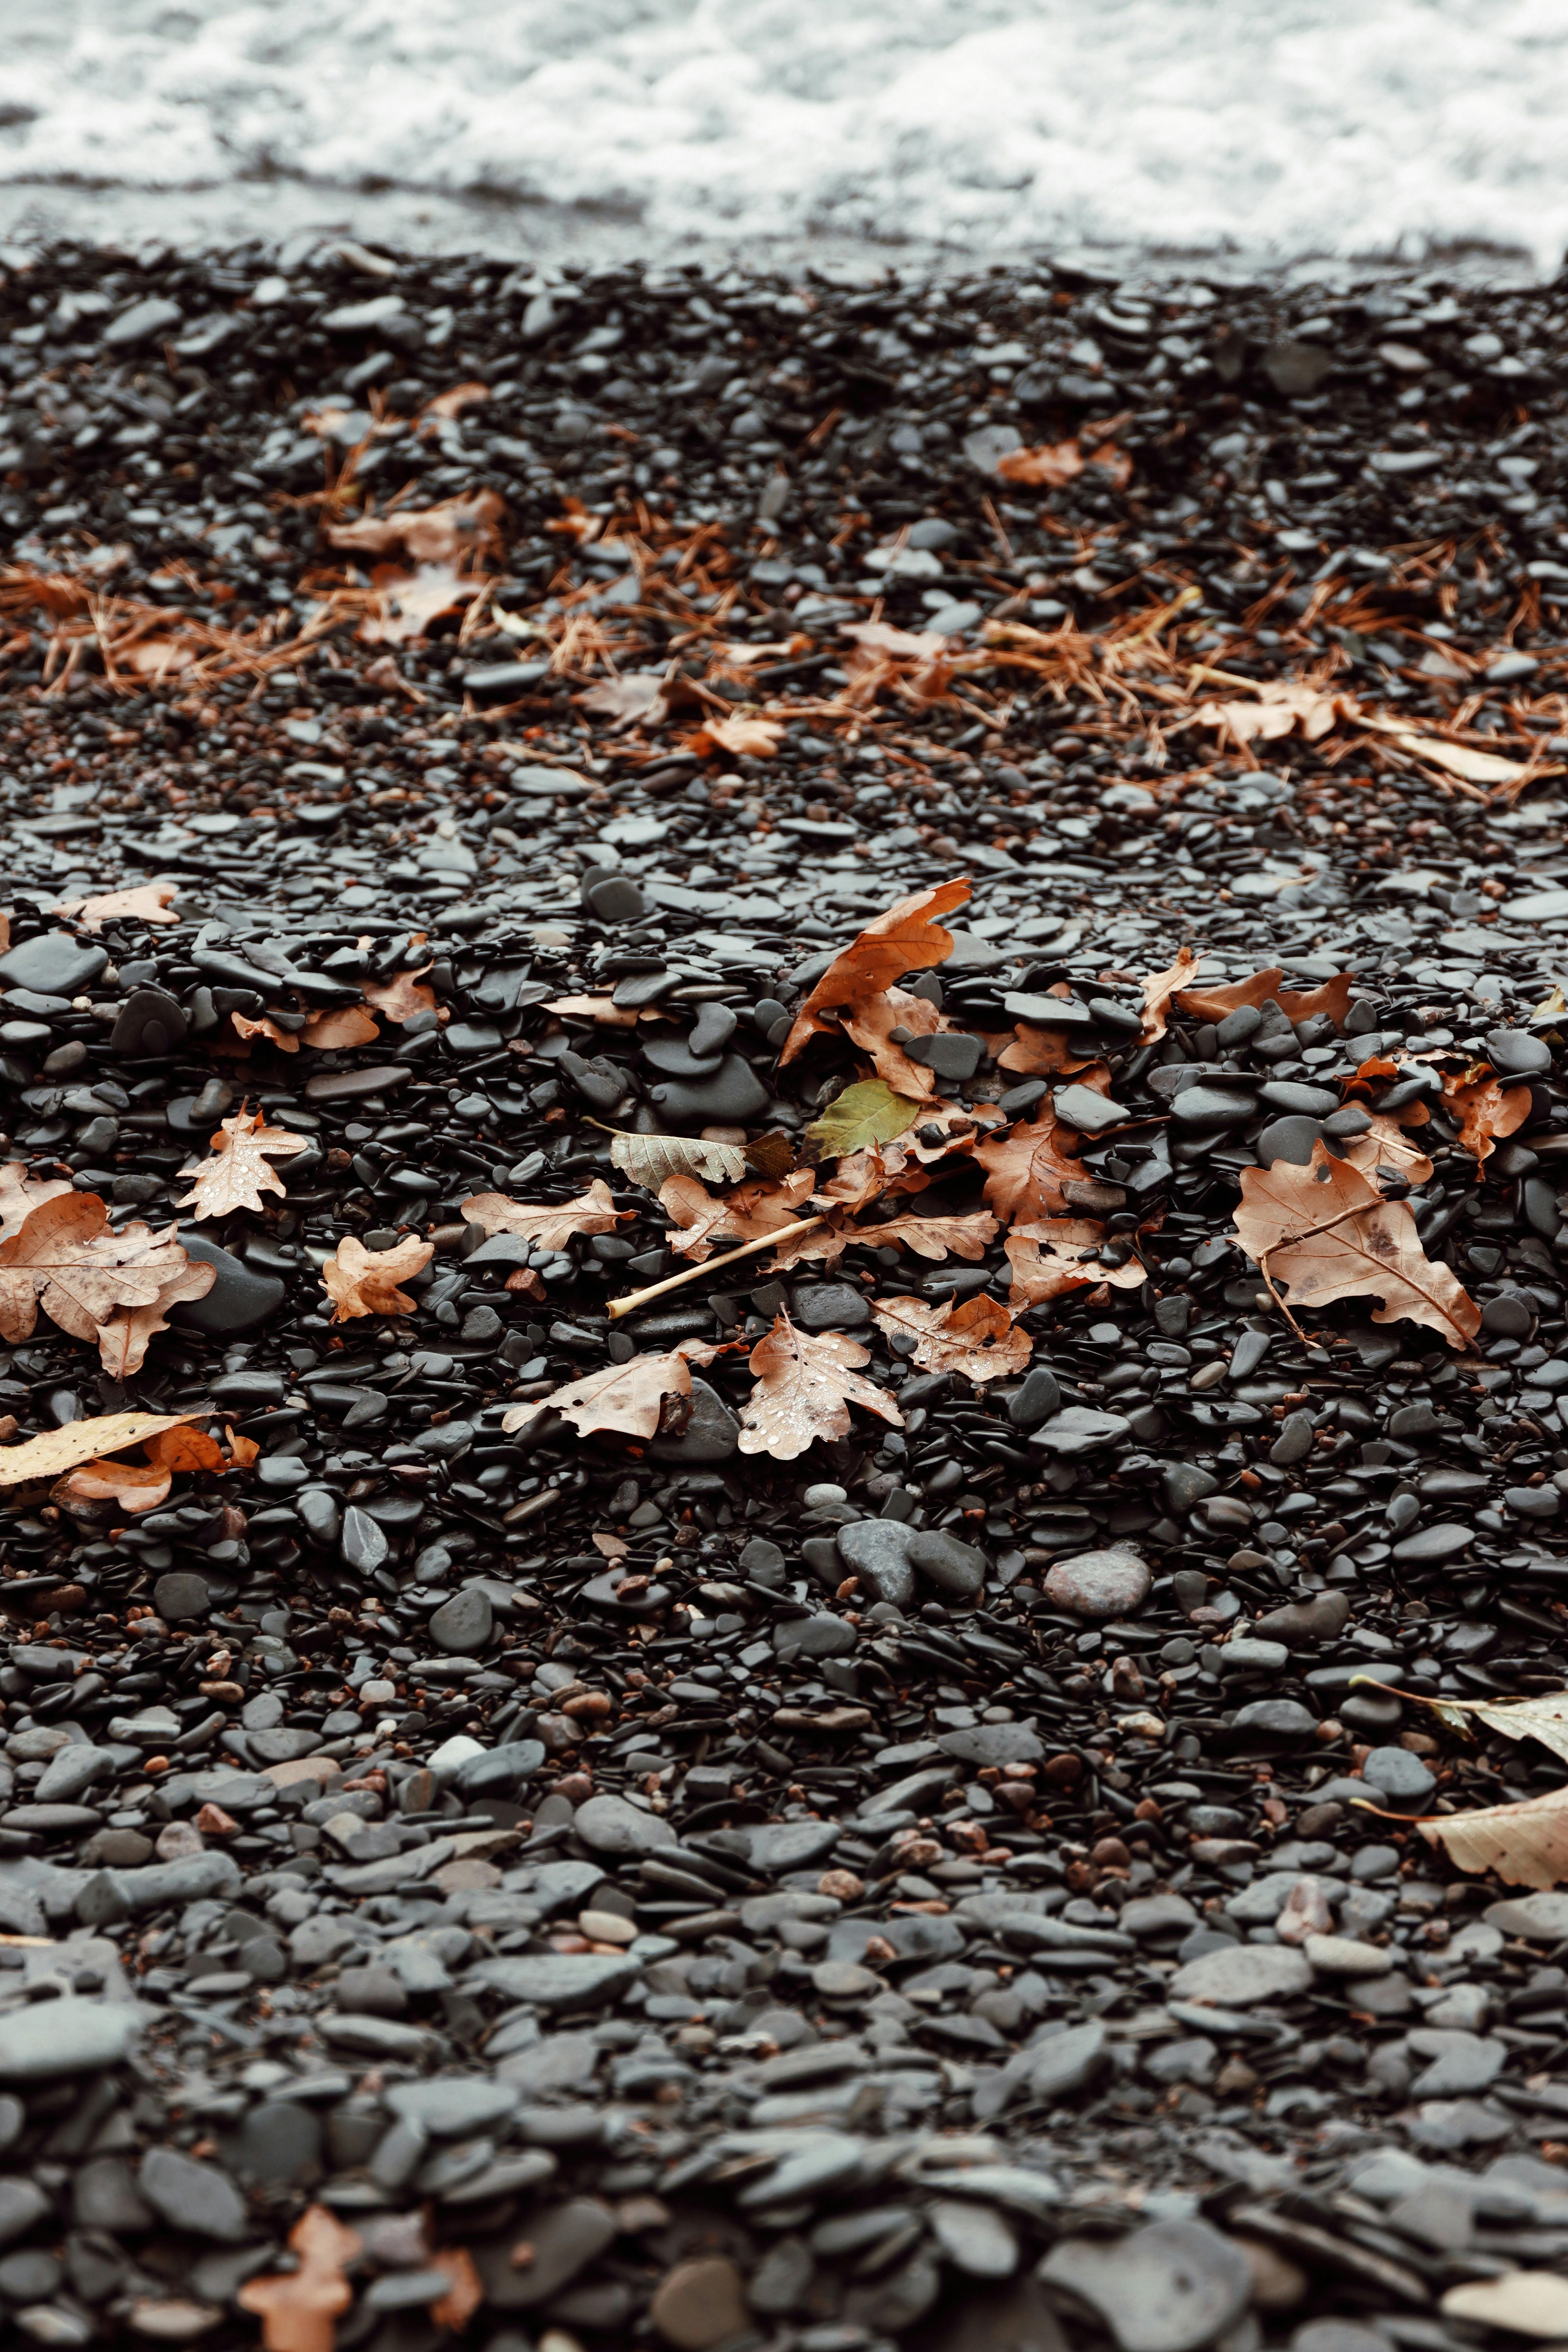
(635, 1298)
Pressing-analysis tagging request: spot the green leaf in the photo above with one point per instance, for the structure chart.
(863, 1115)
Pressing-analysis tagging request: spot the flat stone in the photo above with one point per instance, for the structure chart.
(1081, 1429)
(1035, 1401)
(1306, 1102)
(1461, 2064)
(612, 1825)
(1534, 1918)
(153, 319)
(1515, 1052)
(179, 1594)
(699, 2303)
(994, 1743)
(1242, 1976)
(734, 1094)
(238, 1300)
(1112, 1582)
(463, 1625)
(506, 1767)
(877, 1552)
(1289, 1138)
(1212, 1107)
(1089, 1112)
(1401, 1776)
(829, 1307)
(55, 965)
(72, 1769)
(1521, 2302)
(975, 2238)
(192, 2197)
(22, 2206)
(1428, 1546)
(1345, 1956)
(1171, 2286)
(711, 1434)
(1066, 2063)
(452, 2105)
(1283, 1719)
(777, 1846)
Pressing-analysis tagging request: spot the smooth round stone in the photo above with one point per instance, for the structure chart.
(610, 1825)
(954, 1566)
(55, 964)
(1430, 1545)
(617, 900)
(238, 1300)
(194, 2197)
(1402, 1777)
(845, 1981)
(1508, 1317)
(462, 1626)
(877, 1551)
(733, 1095)
(1294, 1442)
(1346, 1956)
(1289, 1138)
(181, 1594)
(1288, 1095)
(1242, 1975)
(975, 2238)
(451, 2105)
(994, 1743)
(712, 1031)
(777, 1846)
(1170, 2287)
(700, 2302)
(1079, 1429)
(1276, 1718)
(1112, 1582)
(1212, 1106)
(279, 2140)
(1035, 1401)
(953, 1054)
(1513, 1051)
(829, 1305)
(675, 1057)
(1337, 2335)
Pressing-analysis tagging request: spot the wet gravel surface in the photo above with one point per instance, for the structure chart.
(581, 1889)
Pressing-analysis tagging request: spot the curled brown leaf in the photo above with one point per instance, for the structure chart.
(977, 1336)
(360, 1281)
(551, 1224)
(806, 1384)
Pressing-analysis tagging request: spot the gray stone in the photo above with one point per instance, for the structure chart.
(153, 319)
(1081, 1429)
(1170, 2286)
(829, 1307)
(279, 2140)
(1283, 1719)
(22, 2206)
(1294, 1442)
(974, 2237)
(506, 1767)
(1149, 1917)
(180, 1594)
(1184, 1485)
(452, 2105)
(1513, 1051)
(777, 1846)
(877, 1552)
(1081, 1107)
(1428, 1546)
(615, 898)
(104, 2197)
(111, 1894)
(1534, 1918)
(953, 1566)
(55, 965)
(1112, 1582)
(1241, 1976)
(732, 1096)
(1065, 2062)
(1401, 1778)
(72, 2035)
(1461, 2064)
(238, 1300)
(365, 1546)
(1346, 1956)
(192, 2197)
(70, 1771)
(1298, 1101)
(994, 1743)
(953, 1054)
(611, 1826)
(1035, 1401)
(565, 2240)
(1211, 1108)
(462, 1626)
(1289, 1138)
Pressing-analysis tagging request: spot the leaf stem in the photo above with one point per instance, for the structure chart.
(635, 1298)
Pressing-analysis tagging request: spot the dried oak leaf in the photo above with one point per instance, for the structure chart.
(1526, 1845)
(147, 903)
(140, 1486)
(1282, 705)
(1384, 1144)
(351, 1025)
(94, 1282)
(450, 404)
(1042, 1053)
(238, 1172)
(651, 1160)
(360, 1281)
(977, 1338)
(1160, 987)
(1060, 1253)
(1486, 1110)
(627, 1398)
(871, 1026)
(1326, 1233)
(1050, 467)
(1027, 1168)
(1332, 997)
(59, 1450)
(21, 1192)
(298, 2308)
(635, 697)
(806, 1381)
(743, 738)
(931, 1237)
(916, 665)
(458, 530)
(552, 1224)
(407, 601)
(402, 996)
(286, 1040)
(906, 938)
(464, 2295)
(749, 1214)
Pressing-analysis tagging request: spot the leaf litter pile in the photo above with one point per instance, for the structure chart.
(782, 1329)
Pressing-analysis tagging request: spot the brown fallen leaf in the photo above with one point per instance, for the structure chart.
(463, 2296)
(351, 1025)
(871, 1026)
(1326, 1233)
(749, 1214)
(637, 697)
(928, 1237)
(743, 738)
(298, 2308)
(1526, 1844)
(1042, 1053)
(1160, 987)
(1542, 1717)
(238, 1172)
(651, 1160)
(360, 1281)
(627, 1398)
(551, 1224)
(141, 1485)
(1333, 997)
(96, 1284)
(918, 665)
(1487, 1110)
(458, 531)
(977, 1338)
(1055, 1254)
(1386, 1144)
(1050, 467)
(21, 1192)
(407, 601)
(147, 903)
(806, 1384)
(1281, 706)
(402, 996)
(286, 1040)
(906, 939)
(59, 1450)
(1027, 1168)
(450, 404)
